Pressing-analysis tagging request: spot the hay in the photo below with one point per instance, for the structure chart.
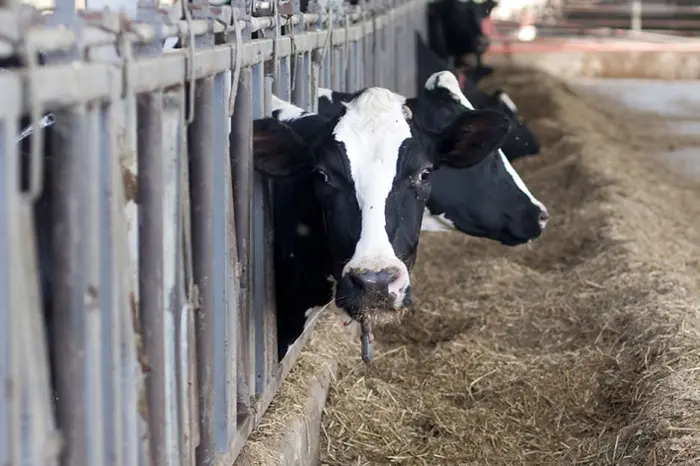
(579, 349)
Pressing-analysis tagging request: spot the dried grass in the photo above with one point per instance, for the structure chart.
(582, 348)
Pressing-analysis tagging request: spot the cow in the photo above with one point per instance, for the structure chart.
(455, 31)
(486, 200)
(521, 141)
(348, 196)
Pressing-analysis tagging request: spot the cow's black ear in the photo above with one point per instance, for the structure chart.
(471, 137)
(277, 149)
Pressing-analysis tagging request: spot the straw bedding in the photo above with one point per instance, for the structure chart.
(582, 348)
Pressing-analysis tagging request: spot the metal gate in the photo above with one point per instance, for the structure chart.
(159, 343)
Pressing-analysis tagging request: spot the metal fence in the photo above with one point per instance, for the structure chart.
(159, 345)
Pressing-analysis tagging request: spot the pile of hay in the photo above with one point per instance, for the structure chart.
(583, 348)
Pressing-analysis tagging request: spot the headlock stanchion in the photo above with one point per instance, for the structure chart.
(137, 312)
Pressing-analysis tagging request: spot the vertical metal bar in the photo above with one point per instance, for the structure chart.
(326, 69)
(242, 163)
(316, 64)
(39, 439)
(109, 303)
(10, 435)
(233, 296)
(151, 229)
(171, 216)
(123, 187)
(265, 328)
(200, 137)
(68, 313)
(223, 425)
(188, 364)
(636, 14)
(282, 80)
(377, 53)
(91, 245)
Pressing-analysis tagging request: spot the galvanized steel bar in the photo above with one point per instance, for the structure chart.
(200, 138)
(39, 437)
(263, 313)
(10, 412)
(151, 264)
(224, 424)
(110, 302)
(69, 310)
(188, 382)
(241, 153)
(91, 244)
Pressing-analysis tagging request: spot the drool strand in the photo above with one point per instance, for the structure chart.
(366, 340)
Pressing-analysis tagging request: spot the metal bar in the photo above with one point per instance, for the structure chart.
(233, 298)
(636, 15)
(200, 137)
(91, 244)
(68, 313)
(173, 293)
(151, 265)
(110, 301)
(224, 425)
(10, 434)
(263, 314)
(241, 153)
(39, 442)
(187, 351)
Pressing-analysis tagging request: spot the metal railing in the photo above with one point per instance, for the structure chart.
(159, 343)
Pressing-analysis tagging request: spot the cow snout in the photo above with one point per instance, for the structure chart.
(364, 290)
(374, 281)
(533, 220)
(543, 218)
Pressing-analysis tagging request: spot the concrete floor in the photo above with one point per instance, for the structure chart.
(677, 100)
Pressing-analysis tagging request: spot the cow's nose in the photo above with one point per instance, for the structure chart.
(543, 218)
(374, 280)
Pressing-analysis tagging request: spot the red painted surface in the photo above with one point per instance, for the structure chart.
(546, 45)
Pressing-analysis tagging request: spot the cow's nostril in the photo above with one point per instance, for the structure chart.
(543, 218)
(374, 279)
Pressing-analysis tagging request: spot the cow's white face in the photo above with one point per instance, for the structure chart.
(373, 130)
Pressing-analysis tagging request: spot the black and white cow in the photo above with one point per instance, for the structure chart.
(349, 193)
(488, 199)
(455, 30)
(520, 142)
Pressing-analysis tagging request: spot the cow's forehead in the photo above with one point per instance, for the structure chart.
(372, 129)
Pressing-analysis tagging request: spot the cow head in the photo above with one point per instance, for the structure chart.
(489, 199)
(521, 141)
(371, 173)
(454, 27)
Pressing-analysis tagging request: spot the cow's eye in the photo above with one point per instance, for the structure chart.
(424, 175)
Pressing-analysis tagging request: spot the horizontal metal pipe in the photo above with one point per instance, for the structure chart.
(62, 39)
